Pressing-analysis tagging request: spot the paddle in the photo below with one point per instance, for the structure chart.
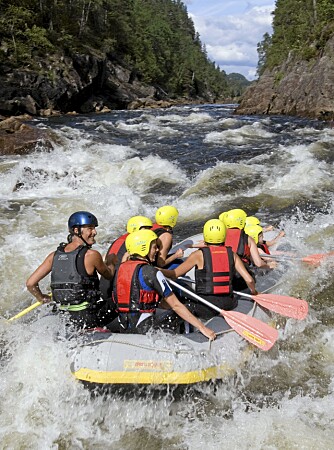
(281, 304)
(250, 328)
(25, 311)
(286, 306)
(316, 258)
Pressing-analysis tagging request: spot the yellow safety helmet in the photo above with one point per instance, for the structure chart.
(235, 218)
(254, 231)
(214, 231)
(139, 242)
(222, 216)
(135, 223)
(167, 216)
(252, 220)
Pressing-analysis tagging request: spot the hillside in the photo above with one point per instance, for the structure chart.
(59, 56)
(296, 63)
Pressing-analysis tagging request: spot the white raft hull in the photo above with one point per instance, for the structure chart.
(162, 358)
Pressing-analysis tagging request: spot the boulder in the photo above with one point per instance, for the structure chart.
(17, 138)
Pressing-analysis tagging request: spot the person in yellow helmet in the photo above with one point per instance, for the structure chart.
(252, 220)
(256, 232)
(140, 288)
(243, 245)
(166, 218)
(118, 250)
(215, 267)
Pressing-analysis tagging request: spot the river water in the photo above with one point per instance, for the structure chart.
(204, 160)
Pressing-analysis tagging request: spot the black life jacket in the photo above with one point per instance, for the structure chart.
(159, 229)
(70, 282)
(216, 276)
(264, 247)
(238, 240)
(128, 294)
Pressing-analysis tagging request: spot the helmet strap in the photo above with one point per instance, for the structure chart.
(80, 236)
(86, 243)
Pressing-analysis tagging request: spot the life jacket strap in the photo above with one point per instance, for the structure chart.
(80, 307)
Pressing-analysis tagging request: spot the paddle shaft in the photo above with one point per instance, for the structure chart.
(253, 330)
(281, 304)
(202, 300)
(316, 258)
(25, 311)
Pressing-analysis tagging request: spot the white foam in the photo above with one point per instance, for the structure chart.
(239, 136)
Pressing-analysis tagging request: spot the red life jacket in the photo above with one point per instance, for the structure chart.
(216, 276)
(238, 240)
(264, 247)
(128, 294)
(118, 246)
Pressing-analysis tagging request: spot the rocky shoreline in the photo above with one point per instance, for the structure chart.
(80, 84)
(83, 84)
(18, 137)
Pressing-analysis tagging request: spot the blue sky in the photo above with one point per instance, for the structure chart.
(231, 30)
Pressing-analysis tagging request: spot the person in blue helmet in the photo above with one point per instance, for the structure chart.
(74, 268)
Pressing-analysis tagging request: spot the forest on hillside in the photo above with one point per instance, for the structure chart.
(301, 29)
(155, 38)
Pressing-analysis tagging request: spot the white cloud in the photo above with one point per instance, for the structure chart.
(231, 40)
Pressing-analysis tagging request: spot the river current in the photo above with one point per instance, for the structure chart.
(204, 160)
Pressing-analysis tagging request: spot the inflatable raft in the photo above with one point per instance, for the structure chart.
(163, 358)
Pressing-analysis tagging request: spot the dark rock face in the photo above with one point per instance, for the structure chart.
(82, 84)
(67, 85)
(302, 88)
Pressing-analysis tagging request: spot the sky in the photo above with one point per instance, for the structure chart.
(231, 30)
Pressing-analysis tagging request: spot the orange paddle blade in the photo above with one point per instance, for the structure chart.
(284, 305)
(317, 258)
(281, 304)
(253, 330)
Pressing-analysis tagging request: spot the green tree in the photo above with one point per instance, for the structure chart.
(262, 50)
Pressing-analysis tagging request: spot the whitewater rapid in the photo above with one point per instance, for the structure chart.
(203, 160)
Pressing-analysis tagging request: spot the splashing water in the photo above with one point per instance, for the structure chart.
(204, 161)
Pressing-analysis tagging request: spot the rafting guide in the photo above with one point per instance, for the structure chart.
(74, 268)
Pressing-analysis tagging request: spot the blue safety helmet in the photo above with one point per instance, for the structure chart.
(81, 218)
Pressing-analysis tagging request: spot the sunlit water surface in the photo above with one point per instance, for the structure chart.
(204, 160)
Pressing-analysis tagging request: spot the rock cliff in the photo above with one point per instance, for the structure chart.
(300, 88)
(80, 83)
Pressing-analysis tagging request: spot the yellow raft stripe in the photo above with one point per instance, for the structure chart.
(195, 376)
